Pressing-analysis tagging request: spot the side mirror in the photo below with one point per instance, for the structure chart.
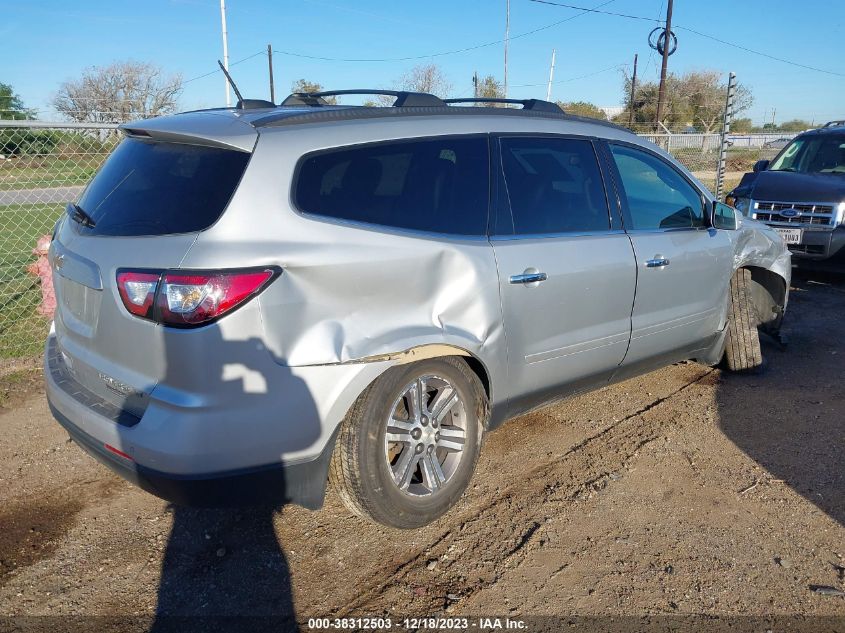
(724, 217)
(761, 165)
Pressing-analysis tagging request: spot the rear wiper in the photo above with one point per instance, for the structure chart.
(78, 214)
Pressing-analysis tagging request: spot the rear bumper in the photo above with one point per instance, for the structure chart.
(303, 483)
(272, 446)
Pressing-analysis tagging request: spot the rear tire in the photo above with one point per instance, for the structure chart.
(742, 344)
(401, 461)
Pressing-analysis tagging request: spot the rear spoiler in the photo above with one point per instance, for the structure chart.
(196, 128)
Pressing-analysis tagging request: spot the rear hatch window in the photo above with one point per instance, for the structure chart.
(154, 188)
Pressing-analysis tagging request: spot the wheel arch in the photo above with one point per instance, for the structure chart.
(769, 292)
(439, 350)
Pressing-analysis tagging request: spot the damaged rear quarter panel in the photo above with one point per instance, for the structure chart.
(350, 292)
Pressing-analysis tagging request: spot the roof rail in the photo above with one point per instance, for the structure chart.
(838, 123)
(254, 104)
(404, 98)
(538, 105)
(303, 99)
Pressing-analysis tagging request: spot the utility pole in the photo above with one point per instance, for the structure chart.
(270, 63)
(475, 84)
(507, 40)
(225, 48)
(661, 93)
(551, 77)
(633, 90)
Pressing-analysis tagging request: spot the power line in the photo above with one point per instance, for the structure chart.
(596, 10)
(442, 53)
(699, 33)
(569, 79)
(214, 72)
(751, 50)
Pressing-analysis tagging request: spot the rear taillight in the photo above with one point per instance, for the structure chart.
(190, 298)
(138, 290)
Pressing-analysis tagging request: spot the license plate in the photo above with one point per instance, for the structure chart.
(790, 236)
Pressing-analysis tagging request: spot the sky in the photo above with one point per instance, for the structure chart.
(47, 42)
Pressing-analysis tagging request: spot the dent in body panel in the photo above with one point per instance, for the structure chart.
(407, 300)
(760, 249)
(756, 244)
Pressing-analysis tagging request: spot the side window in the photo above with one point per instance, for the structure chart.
(554, 186)
(658, 196)
(438, 185)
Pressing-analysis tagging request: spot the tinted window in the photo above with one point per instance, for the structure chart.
(438, 185)
(658, 196)
(152, 188)
(823, 154)
(554, 186)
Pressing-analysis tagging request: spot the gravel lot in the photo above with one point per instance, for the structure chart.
(686, 491)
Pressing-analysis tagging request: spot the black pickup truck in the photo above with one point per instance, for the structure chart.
(801, 194)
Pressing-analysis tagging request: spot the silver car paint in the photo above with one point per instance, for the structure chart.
(272, 381)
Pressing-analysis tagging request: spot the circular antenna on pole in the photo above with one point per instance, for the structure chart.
(659, 43)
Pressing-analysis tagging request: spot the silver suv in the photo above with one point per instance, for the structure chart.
(256, 300)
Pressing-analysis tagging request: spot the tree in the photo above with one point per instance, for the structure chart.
(15, 142)
(303, 85)
(11, 105)
(705, 95)
(583, 108)
(120, 92)
(743, 125)
(694, 98)
(795, 125)
(645, 104)
(490, 88)
(425, 78)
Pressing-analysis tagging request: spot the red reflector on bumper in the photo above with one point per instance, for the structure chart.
(118, 452)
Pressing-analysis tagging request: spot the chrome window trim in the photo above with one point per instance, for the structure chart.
(677, 229)
(545, 236)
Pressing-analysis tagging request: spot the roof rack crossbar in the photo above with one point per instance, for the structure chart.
(538, 105)
(404, 98)
(838, 123)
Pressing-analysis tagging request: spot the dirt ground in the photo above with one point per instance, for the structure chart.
(686, 491)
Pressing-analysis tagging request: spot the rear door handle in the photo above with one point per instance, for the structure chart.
(528, 278)
(657, 262)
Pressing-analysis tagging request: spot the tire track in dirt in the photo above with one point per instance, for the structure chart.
(494, 537)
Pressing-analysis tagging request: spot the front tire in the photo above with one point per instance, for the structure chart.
(742, 344)
(407, 449)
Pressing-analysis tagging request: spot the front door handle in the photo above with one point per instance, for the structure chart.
(657, 262)
(528, 278)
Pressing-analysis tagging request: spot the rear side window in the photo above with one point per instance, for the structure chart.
(437, 185)
(658, 196)
(554, 186)
(152, 188)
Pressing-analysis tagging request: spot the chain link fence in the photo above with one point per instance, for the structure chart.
(697, 152)
(43, 166)
(700, 153)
